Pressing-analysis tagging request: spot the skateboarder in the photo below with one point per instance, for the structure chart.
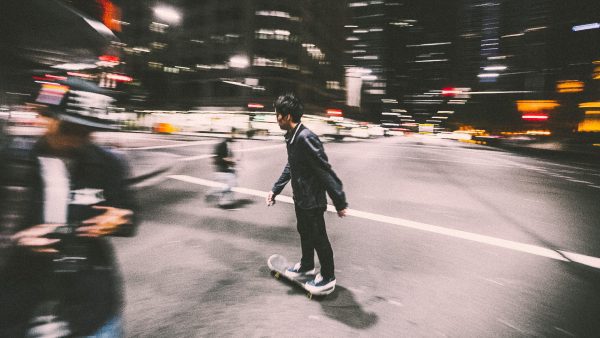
(225, 165)
(311, 177)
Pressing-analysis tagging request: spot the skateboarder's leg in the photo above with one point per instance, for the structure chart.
(306, 239)
(229, 179)
(324, 282)
(322, 244)
(311, 226)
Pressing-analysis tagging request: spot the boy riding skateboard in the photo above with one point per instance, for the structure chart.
(311, 175)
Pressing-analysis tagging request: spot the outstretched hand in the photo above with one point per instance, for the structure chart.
(105, 223)
(34, 237)
(270, 199)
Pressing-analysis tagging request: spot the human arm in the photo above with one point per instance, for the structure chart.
(111, 221)
(117, 215)
(318, 162)
(35, 237)
(284, 178)
(19, 224)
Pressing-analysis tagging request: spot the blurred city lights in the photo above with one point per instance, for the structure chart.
(588, 26)
(449, 91)
(590, 104)
(535, 117)
(536, 105)
(109, 58)
(571, 86)
(413, 68)
(488, 75)
(119, 77)
(239, 61)
(499, 67)
(167, 14)
(75, 66)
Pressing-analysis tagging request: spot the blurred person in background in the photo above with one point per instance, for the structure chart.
(225, 173)
(311, 175)
(60, 197)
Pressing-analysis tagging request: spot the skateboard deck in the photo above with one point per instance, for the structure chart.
(278, 264)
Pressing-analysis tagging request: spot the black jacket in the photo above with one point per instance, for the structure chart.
(89, 296)
(223, 157)
(310, 172)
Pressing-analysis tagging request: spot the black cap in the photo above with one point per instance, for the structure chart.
(77, 101)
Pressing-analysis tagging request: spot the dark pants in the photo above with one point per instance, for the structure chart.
(313, 237)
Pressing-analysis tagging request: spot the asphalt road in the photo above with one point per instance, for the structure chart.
(444, 239)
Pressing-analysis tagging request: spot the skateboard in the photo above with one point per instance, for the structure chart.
(278, 264)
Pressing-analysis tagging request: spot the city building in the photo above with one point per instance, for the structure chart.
(525, 65)
(230, 54)
(373, 57)
(399, 55)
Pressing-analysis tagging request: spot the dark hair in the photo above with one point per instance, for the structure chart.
(289, 104)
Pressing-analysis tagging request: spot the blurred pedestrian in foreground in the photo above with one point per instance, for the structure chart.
(60, 197)
(225, 174)
(311, 176)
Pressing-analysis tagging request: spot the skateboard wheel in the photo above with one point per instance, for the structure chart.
(277, 275)
(309, 295)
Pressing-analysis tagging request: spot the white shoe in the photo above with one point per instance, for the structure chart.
(296, 271)
(320, 286)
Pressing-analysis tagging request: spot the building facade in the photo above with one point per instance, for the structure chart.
(227, 54)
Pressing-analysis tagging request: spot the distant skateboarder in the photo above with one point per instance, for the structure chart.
(311, 177)
(225, 174)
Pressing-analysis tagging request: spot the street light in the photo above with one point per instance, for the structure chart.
(168, 14)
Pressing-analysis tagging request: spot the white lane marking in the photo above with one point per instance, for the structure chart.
(564, 331)
(512, 326)
(493, 281)
(498, 242)
(578, 181)
(582, 259)
(186, 144)
(393, 302)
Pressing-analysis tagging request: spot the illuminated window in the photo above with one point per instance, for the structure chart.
(171, 70)
(260, 61)
(158, 45)
(278, 14)
(272, 34)
(227, 38)
(158, 27)
(314, 51)
(333, 85)
(155, 65)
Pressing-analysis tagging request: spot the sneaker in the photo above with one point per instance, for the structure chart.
(320, 285)
(297, 271)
